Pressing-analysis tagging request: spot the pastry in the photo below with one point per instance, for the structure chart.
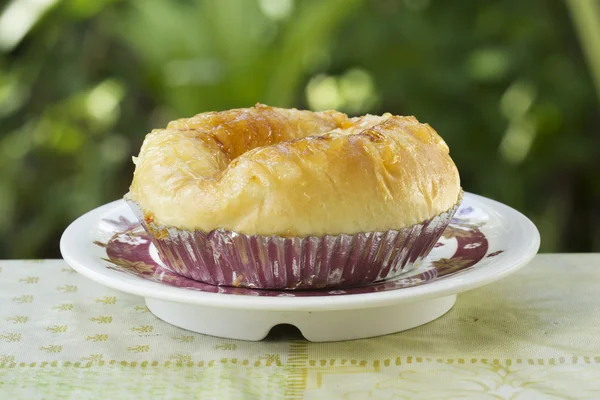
(281, 198)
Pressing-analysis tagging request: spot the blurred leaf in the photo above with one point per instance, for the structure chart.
(313, 28)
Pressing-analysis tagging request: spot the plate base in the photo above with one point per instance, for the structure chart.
(316, 326)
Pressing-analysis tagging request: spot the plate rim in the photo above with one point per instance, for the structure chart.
(72, 240)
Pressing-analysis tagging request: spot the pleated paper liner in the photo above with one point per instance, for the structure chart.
(226, 258)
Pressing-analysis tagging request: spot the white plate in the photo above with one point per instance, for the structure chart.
(486, 242)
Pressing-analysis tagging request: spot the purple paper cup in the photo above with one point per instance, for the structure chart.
(227, 258)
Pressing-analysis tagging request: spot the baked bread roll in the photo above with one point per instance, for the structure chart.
(291, 173)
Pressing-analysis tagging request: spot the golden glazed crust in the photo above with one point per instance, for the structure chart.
(273, 171)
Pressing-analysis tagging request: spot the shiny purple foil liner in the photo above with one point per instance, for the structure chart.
(227, 258)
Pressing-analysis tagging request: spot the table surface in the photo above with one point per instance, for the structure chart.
(535, 334)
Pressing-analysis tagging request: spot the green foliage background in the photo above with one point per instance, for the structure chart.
(505, 83)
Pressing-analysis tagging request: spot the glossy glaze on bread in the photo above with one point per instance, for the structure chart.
(273, 171)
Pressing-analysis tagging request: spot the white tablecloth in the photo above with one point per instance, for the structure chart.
(533, 335)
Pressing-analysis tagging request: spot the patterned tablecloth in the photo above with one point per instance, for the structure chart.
(534, 335)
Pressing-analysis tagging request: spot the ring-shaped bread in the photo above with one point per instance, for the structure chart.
(286, 172)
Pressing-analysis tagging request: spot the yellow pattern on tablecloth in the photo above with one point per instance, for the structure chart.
(532, 335)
